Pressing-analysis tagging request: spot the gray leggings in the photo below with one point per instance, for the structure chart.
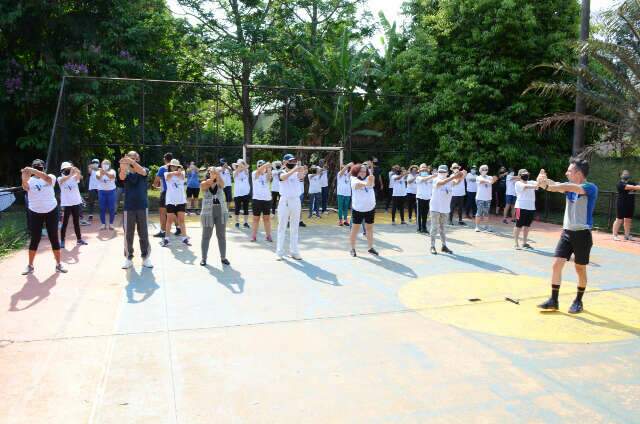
(207, 232)
(438, 221)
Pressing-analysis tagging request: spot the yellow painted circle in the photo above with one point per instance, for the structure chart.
(608, 316)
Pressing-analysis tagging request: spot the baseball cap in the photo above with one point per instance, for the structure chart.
(260, 163)
(288, 156)
(37, 163)
(96, 161)
(65, 165)
(443, 168)
(222, 160)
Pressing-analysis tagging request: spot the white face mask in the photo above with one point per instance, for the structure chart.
(483, 172)
(105, 166)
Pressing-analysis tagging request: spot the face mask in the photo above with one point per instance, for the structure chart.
(398, 172)
(291, 165)
(524, 177)
(66, 172)
(474, 172)
(626, 177)
(39, 168)
(278, 167)
(424, 174)
(105, 167)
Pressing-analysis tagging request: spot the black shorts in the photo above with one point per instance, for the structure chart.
(176, 208)
(577, 243)
(163, 198)
(624, 211)
(368, 217)
(524, 217)
(193, 192)
(261, 207)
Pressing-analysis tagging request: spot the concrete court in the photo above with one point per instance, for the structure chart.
(329, 339)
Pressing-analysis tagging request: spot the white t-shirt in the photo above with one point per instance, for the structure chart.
(105, 183)
(484, 190)
(241, 186)
(526, 197)
(343, 184)
(424, 189)
(399, 186)
(93, 180)
(275, 182)
(458, 189)
(175, 191)
(42, 197)
(290, 187)
(324, 179)
(315, 183)
(69, 192)
(472, 186)
(511, 185)
(261, 186)
(411, 186)
(300, 186)
(441, 197)
(362, 199)
(226, 177)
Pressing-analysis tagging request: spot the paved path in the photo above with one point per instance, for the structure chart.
(328, 339)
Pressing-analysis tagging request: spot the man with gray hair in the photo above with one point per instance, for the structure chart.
(135, 208)
(441, 205)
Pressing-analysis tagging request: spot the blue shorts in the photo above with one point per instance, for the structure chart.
(483, 207)
(511, 200)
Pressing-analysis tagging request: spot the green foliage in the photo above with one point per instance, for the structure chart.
(469, 62)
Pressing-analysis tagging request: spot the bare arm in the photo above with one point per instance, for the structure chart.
(631, 187)
(564, 187)
(370, 182)
(179, 174)
(263, 169)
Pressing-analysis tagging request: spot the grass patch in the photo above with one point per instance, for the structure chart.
(13, 231)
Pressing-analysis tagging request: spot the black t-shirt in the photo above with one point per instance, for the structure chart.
(376, 173)
(625, 197)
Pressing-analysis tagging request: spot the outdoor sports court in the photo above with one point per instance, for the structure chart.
(406, 337)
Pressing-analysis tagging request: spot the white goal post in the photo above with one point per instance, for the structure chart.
(246, 147)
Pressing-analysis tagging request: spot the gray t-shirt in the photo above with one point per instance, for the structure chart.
(578, 214)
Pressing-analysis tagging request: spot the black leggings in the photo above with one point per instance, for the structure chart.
(74, 211)
(423, 214)
(274, 201)
(244, 201)
(398, 204)
(50, 220)
(411, 204)
(457, 202)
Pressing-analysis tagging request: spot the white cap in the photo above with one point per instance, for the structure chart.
(65, 165)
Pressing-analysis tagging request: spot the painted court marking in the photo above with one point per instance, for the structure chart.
(608, 315)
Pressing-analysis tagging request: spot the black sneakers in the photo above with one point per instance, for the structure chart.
(576, 307)
(353, 252)
(445, 249)
(373, 251)
(159, 234)
(433, 250)
(550, 305)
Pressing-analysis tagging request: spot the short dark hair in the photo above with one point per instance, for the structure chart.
(167, 157)
(581, 165)
(355, 170)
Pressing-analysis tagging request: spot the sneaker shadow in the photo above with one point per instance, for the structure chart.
(390, 265)
(314, 272)
(479, 263)
(228, 277)
(34, 291)
(603, 322)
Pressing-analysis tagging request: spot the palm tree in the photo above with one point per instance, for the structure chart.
(611, 85)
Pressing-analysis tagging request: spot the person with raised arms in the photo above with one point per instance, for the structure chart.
(136, 208)
(43, 210)
(324, 186)
(70, 200)
(107, 194)
(343, 190)
(441, 205)
(364, 204)
(241, 191)
(315, 191)
(483, 198)
(214, 213)
(576, 239)
(625, 205)
(470, 208)
(412, 189)
(510, 196)
(92, 189)
(176, 201)
(457, 198)
(276, 170)
(399, 184)
(424, 189)
(160, 182)
(289, 206)
(261, 201)
(193, 189)
(525, 207)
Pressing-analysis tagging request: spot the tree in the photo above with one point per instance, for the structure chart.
(611, 83)
(469, 62)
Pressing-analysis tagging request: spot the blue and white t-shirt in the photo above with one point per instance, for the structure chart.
(578, 214)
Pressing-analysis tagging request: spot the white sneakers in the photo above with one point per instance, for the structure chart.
(103, 227)
(145, 263)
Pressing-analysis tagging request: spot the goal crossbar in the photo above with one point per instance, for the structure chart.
(246, 147)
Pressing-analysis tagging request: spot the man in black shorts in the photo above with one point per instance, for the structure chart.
(625, 205)
(159, 182)
(575, 240)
